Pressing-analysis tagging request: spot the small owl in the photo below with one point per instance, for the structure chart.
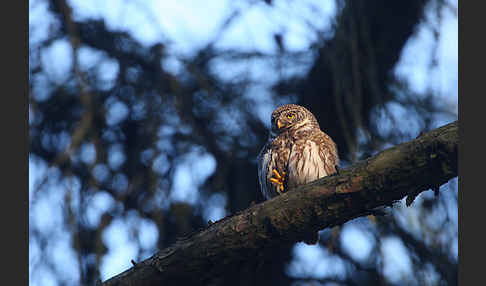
(297, 151)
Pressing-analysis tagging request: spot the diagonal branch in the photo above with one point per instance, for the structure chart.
(409, 168)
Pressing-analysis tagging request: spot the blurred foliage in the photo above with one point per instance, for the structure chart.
(128, 137)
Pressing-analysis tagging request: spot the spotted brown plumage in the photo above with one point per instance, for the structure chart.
(297, 151)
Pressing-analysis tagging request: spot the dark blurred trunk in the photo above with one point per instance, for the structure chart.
(352, 73)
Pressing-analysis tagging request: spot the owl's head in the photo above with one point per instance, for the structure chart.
(292, 117)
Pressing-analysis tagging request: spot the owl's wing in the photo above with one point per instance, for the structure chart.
(264, 159)
(329, 156)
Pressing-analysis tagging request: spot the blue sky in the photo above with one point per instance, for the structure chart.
(184, 25)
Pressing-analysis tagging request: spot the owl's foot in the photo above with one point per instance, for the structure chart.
(278, 180)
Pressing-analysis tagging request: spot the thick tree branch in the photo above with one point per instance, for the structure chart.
(409, 168)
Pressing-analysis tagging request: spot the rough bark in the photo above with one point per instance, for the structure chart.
(255, 233)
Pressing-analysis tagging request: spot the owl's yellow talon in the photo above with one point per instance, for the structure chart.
(277, 174)
(278, 180)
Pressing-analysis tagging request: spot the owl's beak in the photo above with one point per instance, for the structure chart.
(279, 124)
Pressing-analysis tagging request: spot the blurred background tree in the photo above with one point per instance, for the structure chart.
(145, 120)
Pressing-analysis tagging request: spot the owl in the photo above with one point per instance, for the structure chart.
(297, 151)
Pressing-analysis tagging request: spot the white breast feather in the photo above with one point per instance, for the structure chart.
(307, 168)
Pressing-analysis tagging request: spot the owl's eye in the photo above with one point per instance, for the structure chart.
(290, 116)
